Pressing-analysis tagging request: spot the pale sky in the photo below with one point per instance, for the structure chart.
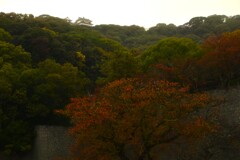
(146, 13)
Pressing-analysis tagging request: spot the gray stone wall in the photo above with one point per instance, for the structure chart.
(51, 142)
(226, 144)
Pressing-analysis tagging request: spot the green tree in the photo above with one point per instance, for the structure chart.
(163, 29)
(49, 87)
(14, 55)
(233, 22)
(16, 132)
(117, 62)
(125, 35)
(168, 50)
(5, 36)
(174, 59)
(104, 59)
(41, 43)
(53, 23)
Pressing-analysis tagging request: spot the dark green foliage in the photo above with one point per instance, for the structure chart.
(16, 24)
(5, 36)
(43, 63)
(198, 29)
(43, 43)
(16, 132)
(120, 33)
(163, 29)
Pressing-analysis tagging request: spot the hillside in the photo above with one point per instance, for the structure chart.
(48, 63)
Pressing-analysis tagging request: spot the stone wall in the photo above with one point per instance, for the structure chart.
(51, 142)
(226, 144)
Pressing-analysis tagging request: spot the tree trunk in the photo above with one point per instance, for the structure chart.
(145, 155)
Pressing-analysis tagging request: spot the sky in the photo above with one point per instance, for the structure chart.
(145, 13)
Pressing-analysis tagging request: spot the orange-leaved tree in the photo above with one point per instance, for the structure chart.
(222, 59)
(130, 117)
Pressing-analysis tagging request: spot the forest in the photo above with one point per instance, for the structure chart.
(117, 87)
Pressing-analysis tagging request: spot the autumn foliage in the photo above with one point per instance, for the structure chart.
(221, 62)
(214, 64)
(129, 117)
